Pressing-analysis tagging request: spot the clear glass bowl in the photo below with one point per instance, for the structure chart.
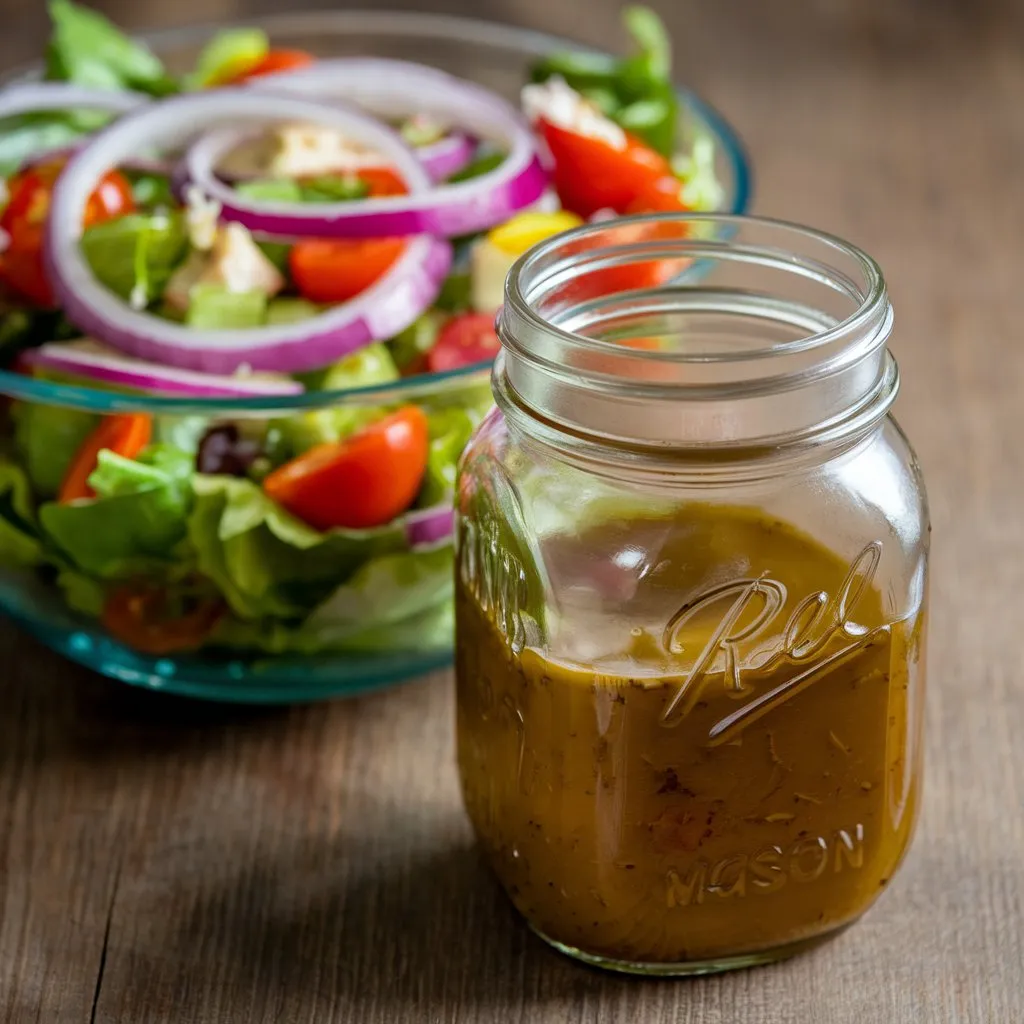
(494, 55)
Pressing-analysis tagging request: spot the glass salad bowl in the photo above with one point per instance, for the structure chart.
(286, 613)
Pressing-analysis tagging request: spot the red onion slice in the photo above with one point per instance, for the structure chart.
(389, 89)
(440, 159)
(447, 156)
(90, 360)
(394, 89)
(39, 97)
(429, 526)
(384, 309)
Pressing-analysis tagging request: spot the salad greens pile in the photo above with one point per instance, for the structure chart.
(216, 537)
(326, 528)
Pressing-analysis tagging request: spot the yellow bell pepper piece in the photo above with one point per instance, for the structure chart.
(527, 229)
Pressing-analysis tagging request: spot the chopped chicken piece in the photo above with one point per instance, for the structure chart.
(235, 262)
(559, 104)
(298, 150)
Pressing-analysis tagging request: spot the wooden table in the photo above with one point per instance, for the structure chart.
(170, 862)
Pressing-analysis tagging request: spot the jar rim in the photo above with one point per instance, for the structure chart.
(785, 364)
(872, 297)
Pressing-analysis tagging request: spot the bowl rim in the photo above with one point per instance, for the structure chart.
(442, 26)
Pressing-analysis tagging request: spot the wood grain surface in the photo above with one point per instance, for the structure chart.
(174, 862)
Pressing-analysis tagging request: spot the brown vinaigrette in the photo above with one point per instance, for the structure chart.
(736, 767)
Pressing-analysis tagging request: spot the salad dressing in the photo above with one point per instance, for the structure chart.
(729, 766)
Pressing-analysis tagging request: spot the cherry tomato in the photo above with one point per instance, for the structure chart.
(466, 339)
(361, 482)
(24, 222)
(592, 174)
(112, 198)
(661, 196)
(335, 270)
(23, 270)
(125, 434)
(137, 615)
(271, 64)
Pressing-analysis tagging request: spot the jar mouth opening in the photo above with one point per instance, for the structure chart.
(696, 329)
(694, 298)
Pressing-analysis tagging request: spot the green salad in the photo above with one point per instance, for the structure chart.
(254, 237)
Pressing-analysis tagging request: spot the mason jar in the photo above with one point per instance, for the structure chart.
(692, 553)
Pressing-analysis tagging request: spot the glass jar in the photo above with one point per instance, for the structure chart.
(692, 595)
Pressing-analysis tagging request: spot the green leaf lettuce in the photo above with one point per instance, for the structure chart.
(135, 523)
(399, 601)
(87, 48)
(265, 561)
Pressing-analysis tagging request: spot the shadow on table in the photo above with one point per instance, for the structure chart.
(85, 717)
(429, 937)
(288, 885)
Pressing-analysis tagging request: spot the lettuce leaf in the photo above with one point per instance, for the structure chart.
(430, 630)
(19, 537)
(137, 521)
(181, 432)
(369, 366)
(366, 367)
(399, 601)
(327, 188)
(291, 310)
(266, 562)
(87, 48)
(82, 593)
(227, 53)
(215, 308)
(410, 346)
(137, 254)
(450, 430)
(385, 590)
(28, 135)
(47, 438)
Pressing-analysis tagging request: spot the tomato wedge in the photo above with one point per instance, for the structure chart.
(464, 340)
(361, 482)
(661, 196)
(138, 616)
(24, 223)
(274, 62)
(125, 435)
(592, 174)
(335, 270)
